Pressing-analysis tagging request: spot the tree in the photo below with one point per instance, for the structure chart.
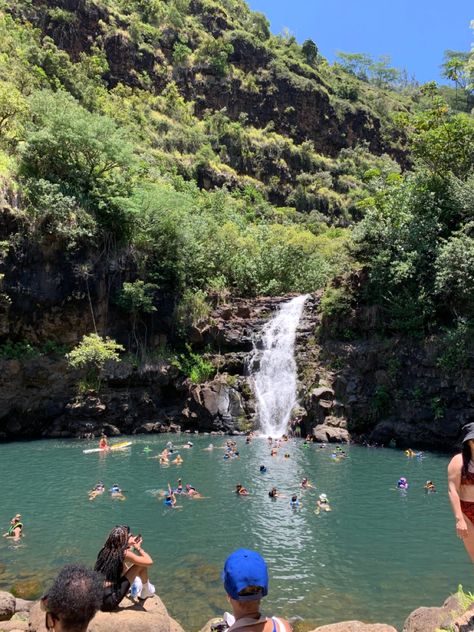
(382, 73)
(91, 354)
(456, 68)
(310, 52)
(85, 153)
(355, 63)
(137, 298)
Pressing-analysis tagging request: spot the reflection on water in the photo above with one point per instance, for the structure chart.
(376, 556)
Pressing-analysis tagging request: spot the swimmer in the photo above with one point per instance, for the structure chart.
(103, 445)
(97, 490)
(323, 503)
(188, 444)
(178, 460)
(274, 494)
(274, 452)
(263, 469)
(170, 501)
(294, 502)
(287, 456)
(305, 484)
(15, 530)
(209, 447)
(429, 487)
(179, 489)
(192, 492)
(402, 483)
(116, 492)
(241, 490)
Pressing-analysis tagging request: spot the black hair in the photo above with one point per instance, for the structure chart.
(466, 457)
(75, 596)
(110, 558)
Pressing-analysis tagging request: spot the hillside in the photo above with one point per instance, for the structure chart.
(160, 158)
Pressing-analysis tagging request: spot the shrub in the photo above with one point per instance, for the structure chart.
(91, 354)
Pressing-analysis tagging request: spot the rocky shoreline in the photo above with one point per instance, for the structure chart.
(19, 615)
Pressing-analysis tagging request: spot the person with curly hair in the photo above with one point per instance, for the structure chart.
(73, 599)
(122, 561)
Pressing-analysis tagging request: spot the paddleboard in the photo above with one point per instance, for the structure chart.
(117, 446)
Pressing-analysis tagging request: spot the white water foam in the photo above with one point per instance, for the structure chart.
(273, 369)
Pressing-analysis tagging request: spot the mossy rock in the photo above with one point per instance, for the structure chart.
(27, 589)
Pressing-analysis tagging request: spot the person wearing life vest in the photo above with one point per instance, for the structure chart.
(15, 529)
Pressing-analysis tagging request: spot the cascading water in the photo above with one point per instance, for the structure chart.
(274, 377)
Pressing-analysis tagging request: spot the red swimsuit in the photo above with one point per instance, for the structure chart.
(467, 506)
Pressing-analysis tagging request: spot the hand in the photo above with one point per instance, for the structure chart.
(461, 528)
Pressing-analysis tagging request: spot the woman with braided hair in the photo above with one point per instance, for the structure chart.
(121, 561)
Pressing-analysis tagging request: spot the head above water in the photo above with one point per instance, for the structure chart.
(245, 576)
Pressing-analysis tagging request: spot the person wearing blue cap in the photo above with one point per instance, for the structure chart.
(245, 578)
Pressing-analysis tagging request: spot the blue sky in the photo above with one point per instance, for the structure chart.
(415, 33)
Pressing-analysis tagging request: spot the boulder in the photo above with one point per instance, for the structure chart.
(23, 605)
(355, 626)
(142, 616)
(7, 606)
(329, 434)
(432, 619)
(322, 391)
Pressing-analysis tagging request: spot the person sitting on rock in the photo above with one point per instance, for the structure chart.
(73, 599)
(120, 561)
(15, 530)
(245, 579)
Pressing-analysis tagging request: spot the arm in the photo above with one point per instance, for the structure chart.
(454, 485)
(142, 559)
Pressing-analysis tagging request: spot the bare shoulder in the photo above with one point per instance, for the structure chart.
(455, 463)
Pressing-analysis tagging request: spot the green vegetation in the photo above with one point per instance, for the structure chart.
(195, 366)
(91, 355)
(135, 134)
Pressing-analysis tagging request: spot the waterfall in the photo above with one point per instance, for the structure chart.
(273, 368)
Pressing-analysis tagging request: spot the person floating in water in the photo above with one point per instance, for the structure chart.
(116, 492)
(429, 487)
(241, 490)
(170, 500)
(192, 492)
(461, 490)
(294, 502)
(323, 503)
(179, 487)
(15, 530)
(263, 469)
(97, 490)
(402, 483)
(103, 445)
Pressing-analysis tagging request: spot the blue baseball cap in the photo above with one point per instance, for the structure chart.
(245, 569)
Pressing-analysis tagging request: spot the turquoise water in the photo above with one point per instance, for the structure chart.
(377, 556)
